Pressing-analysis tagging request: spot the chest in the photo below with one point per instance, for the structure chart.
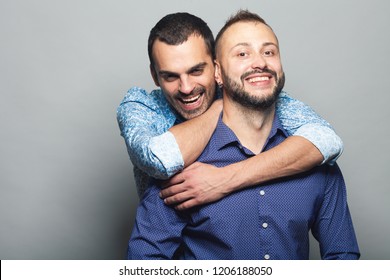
(284, 201)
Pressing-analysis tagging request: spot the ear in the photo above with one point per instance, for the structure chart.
(217, 74)
(154, 75)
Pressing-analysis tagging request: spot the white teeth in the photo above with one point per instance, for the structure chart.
(258, 79)
(189, 100)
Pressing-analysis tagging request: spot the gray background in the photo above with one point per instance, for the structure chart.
(67, 190)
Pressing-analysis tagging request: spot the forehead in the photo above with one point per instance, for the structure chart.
(178, 58)
(251, 33)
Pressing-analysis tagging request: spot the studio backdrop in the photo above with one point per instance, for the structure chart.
(66, 183)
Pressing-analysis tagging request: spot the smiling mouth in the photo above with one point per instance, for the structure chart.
(191, 100)
(258, 79)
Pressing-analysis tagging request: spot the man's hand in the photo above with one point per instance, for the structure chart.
(197, 184)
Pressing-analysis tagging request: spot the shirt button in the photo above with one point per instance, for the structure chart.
(262, 192)
(265, 225)
(266, 257)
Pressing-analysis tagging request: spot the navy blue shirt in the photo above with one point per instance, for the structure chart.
(268, 221)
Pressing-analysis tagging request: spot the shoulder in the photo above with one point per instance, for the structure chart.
(154, 99)
(142, 105)
(330, 176)
(285, 98)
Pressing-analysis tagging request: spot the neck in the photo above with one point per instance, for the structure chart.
(251, 126)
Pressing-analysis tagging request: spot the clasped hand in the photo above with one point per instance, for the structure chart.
(197, 184)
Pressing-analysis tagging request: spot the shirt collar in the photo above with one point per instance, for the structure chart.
(224, 136)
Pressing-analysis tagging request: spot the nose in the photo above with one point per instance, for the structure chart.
(186, 85)
(259, 62)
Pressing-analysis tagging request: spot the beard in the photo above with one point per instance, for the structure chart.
(237, 92)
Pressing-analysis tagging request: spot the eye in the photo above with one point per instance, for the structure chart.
(169, 78)
(269, 53)
(242, 54)
(197, 72)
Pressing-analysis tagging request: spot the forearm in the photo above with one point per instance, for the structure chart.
(293, 156)
(193, 135)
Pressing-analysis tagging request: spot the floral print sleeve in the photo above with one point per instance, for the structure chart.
(300, 120)
(144, 119)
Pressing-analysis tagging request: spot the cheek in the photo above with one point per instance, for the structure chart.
(234, 74)
(276, 66)
(235, 70)
(169, 88)
(206, 80)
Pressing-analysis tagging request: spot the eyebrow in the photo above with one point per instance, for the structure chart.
(244, 44)
(200, 65)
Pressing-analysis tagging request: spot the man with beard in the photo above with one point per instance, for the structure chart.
(166, 130)
(267, 221)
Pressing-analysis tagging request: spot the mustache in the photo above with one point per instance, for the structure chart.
(266, 70)
(194, 92)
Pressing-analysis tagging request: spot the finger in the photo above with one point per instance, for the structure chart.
(172, 190)
(178, 198)
(187, 204)
(175, 180)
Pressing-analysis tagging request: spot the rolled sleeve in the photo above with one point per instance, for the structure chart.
(144, 120)
(325, 139)
(165, 148)
(298, 119)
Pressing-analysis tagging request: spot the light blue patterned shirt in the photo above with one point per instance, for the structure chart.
(144, 119)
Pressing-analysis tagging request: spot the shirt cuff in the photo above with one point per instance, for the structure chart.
(166, 150)
(325, 139)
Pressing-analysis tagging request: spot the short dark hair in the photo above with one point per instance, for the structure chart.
(240, 16)
(175, 29)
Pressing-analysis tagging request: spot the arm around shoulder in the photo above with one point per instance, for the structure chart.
(193, 135)
(313, 143)
(301, 120)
